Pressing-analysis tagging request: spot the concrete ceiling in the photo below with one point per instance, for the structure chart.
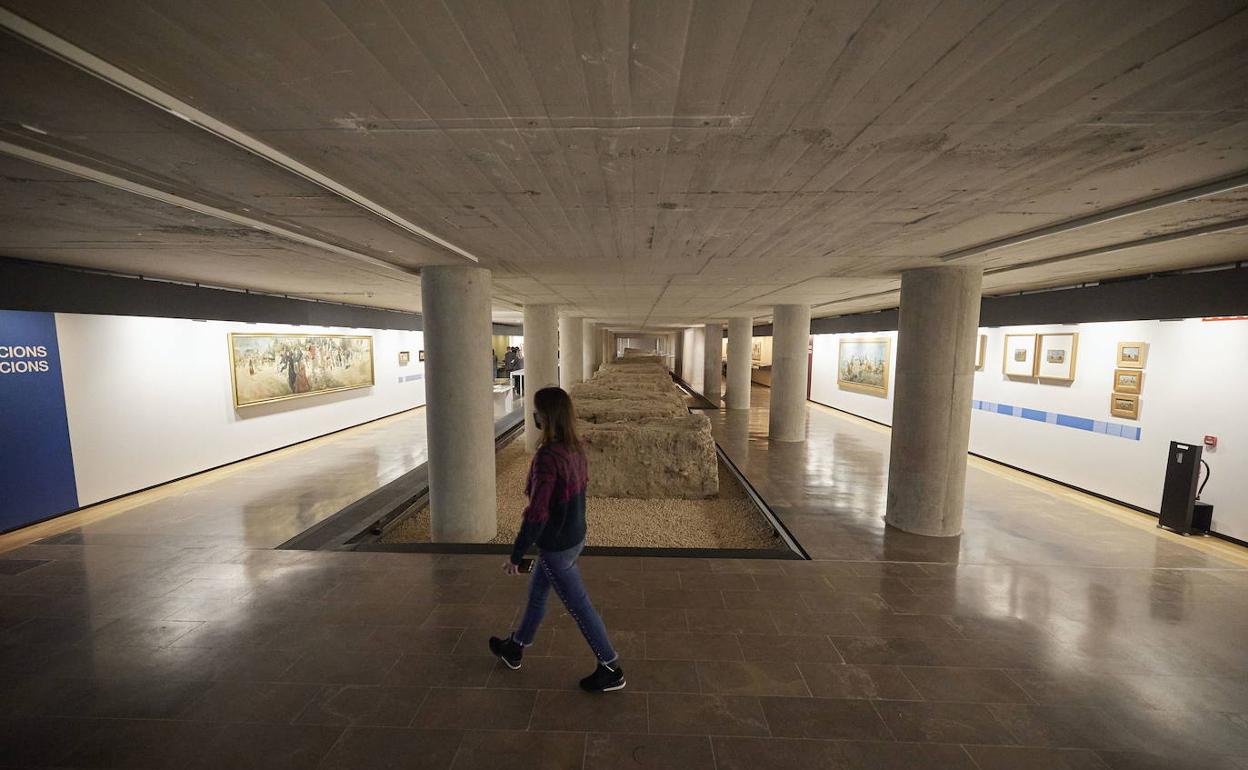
(643, 163)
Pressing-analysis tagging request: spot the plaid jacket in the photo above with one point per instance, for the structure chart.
(555, 516)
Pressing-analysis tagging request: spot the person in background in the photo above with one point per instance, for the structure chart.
(509, 361)
(555, 520)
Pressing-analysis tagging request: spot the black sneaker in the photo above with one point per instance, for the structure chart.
(604, 679)
(508, 650)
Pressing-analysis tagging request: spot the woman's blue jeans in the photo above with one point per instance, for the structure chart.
(558, 569)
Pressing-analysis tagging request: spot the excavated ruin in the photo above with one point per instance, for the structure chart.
(641, 439)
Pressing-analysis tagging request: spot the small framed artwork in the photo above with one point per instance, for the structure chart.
(980, 351)
(404, 357)
(1057, 356)
(420, 356)
(1125, 405)
(1128, 381)
(1131, 354)
(1020, 355)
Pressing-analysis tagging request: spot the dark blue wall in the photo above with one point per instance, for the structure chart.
(36, 464)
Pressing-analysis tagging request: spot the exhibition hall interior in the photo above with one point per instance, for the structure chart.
(603, 384)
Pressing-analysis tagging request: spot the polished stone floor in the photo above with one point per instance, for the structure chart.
(1050, 635)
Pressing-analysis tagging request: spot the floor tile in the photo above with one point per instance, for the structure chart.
(625, 751)
(441, 671)
(494, 749)
(278, 702)
(944, 723)
(751, 678)
(462, 708)
(370, 705)
(706, 714)
(617, 712)
(824, 718)
(730, 621)
(389, 748)
(1025, 758)
(788, 647)
(269, 747)
(839, 680)
(973, 685)
(682, 646)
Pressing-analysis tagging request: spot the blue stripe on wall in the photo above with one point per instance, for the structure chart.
(1131, 432)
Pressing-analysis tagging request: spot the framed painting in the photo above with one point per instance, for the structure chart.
(275, 367)
(1020, 355)
(420, 355)
(1130, 381)
(981, 351)
(862, 365)
(1125, 405)
(404, 357)
(1056, 360)
(1131, 355)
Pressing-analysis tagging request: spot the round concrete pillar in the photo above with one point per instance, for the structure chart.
(713, 363)
(740, 340)
(937, 333)
(459, 404)
(790, 342)
(589, 349)
(571, 357)
(541, 366)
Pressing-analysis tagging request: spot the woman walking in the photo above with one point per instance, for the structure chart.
(555, 520)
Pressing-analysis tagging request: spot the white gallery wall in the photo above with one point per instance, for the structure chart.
(150, 399)
(1194, 381)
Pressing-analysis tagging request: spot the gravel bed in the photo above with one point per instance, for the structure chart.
(727, 521)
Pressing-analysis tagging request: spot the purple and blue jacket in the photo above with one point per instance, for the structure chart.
(555, 515)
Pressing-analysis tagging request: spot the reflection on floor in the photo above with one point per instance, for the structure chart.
(1048, 636)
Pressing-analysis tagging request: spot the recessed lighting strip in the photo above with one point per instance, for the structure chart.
(121, 183)
(94, 65)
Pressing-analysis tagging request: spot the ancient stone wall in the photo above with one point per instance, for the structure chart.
(641, 440)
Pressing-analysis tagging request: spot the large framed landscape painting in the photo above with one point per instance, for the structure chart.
(275, 367)
(862, 365)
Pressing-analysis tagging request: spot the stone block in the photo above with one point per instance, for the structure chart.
(652, 458)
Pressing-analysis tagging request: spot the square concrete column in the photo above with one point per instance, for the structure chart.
(459, 403)
(937, 332)
(541, 366)
(571, 355)
(790, 343)
(713, 363)
(589, 349)
(740, 342)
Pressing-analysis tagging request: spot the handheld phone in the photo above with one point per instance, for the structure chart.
(526, 565)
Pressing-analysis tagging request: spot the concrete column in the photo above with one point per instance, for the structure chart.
(571, 361)
(589, 355)
(740, 340)
(790, 341)
(459, 403)
(937, 332)
(541, 367)
(712, 363)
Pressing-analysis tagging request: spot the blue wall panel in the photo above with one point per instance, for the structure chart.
(36, 464)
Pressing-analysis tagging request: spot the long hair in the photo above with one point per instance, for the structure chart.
(558, 417)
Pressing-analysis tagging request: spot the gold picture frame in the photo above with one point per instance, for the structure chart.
(862, 365)
(1056, 356)
(1019, 356)
(1129, 381)
(405, 356)
(265, 368)
(1124, 405)
(1131, 355)
(981, 351)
